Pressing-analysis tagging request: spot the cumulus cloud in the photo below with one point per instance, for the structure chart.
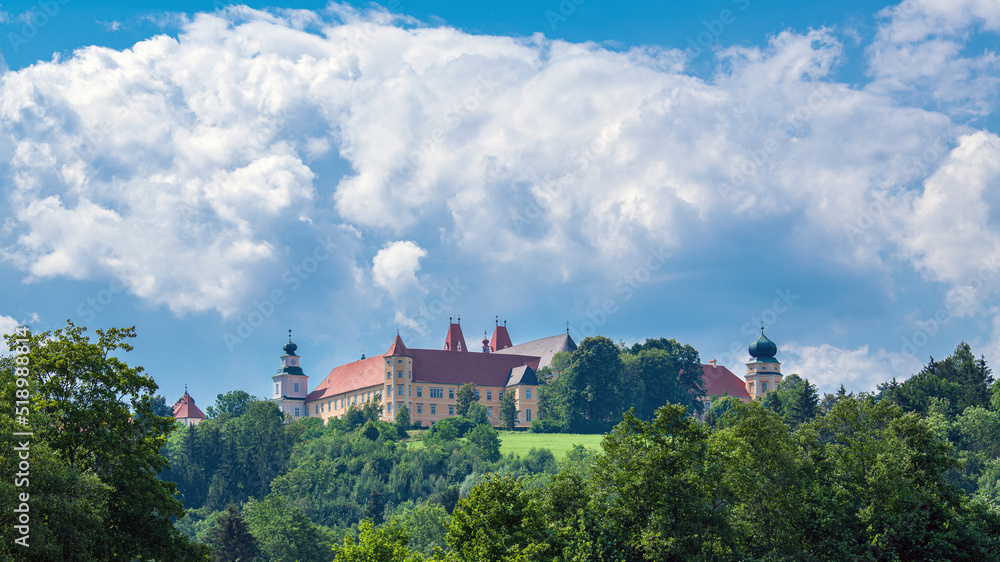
(920, 51)
(828, 366)
(395, 267)
(175, 164)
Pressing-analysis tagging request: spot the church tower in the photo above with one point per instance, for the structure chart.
(763, 371)
(291, 383)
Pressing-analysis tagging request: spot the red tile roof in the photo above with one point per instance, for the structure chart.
(455, 341)
(397, 348)
(352, 376)
(720, 380)
(186, 408)
(501, 338)
(429, 366)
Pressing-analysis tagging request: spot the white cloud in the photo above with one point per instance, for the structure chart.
(8, 325)
(174, 164)
(918, 51)
(395, 267)
(858, 369)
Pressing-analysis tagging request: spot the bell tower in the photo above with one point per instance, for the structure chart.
(763, 370)
(291, 384)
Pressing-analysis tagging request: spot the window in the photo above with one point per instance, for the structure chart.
(420, 391)
(501, 396)
(388, 408)
(420, 408)
(477, 394)
(399, 360)
(763, 367)
(400, 390)
(436, 393)
(388, 374)
(328, 405)
(434, 409)
(451, 410)
(489, 411)
(527, 393)
(296, 412)
(399, 374)
(296, 387)
(317, 408)
(451, 393)
(388, 361)
(409, 391)
(528, 414)
(489, 395)
(763, 387)
(276, 388)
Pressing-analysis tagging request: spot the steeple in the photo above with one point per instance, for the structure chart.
(397, 348)
(455, 341)
(501, 339)
(763, 370)
(290, 382)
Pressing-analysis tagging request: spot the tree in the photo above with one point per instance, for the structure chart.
(508, 411)
(467, 394)
(658, 488)
(385, 543)
(427, 525)
(802, 404)
(284, 533)
(587, 396)
(235, 403)
(403, 417)
(158, 406)
(661, 371)
(230, 538)
(498, 520)
(477, 414)
(95, 413)
(487, 442)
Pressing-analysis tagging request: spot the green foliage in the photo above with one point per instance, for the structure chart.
(719, 407)
(403, 417)
(659, 488)
(230, 538)
(234, 403)
(487, 442)
(427, 525)
(284, 533)
(477, 414)
(508, 411)
(658, 372)
(96, 435)
(466, 395)
(961, 379)
(385, 543)
(158, 406)
(498, 520)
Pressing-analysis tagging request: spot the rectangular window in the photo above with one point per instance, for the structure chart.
(434, 409)
(388, 408)
(527, 393)
(489, 411)
(400, 389)
(451, 410)
(763, 387)
(420, 391)
(399, 374)
(451, 393)
(501, 396)
(437, 393)
(399, 361)
(317, 408)
(296, 387)
(528, 414)
(296, 412)
(276, 388)
(489, 395)
(328, 405)
(420, 408)
(388, 374)
(477, 394)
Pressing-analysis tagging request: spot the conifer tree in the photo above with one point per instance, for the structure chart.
(230, 538)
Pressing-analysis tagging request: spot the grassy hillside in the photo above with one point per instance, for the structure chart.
(519, 442)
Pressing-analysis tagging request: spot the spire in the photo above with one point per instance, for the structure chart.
(397, 348)
(455, 341)
(486, 343)
(501, 339)
(290, 347)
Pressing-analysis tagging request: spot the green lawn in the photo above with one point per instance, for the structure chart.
(520, 442)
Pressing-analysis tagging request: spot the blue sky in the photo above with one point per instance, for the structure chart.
(216, 175)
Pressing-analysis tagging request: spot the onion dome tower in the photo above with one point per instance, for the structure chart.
(290, 383)
(763, 370)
